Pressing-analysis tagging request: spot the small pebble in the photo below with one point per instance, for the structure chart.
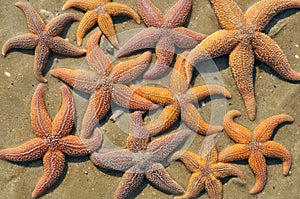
(7, 74)
(297, 56)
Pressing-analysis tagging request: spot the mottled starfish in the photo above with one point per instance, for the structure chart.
(256, 146)
(100, 11)
(242, 37)
(43, 38)
(163, 33)
(206, 170)
(178, 99)
(105, 83)
(52, 140)
(142, 159)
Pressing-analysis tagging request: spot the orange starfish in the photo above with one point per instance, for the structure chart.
(178, 98)
(43, 38)
(206, 171)
(52, 140)
(242, 37)
(256, 146)
(100, 11)
(164, 32)
(105, 83)
(143, 159)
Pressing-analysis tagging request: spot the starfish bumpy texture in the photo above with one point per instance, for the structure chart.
(242, 37)
(164, 33)
(43, 38)
(105, 83)
(256, 146)
(100, 11)
(52, 140)
(206, 170)
(143, 159)
(179, 99)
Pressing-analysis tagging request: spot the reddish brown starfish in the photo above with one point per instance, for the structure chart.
(242, 37)
(179, 99)
(52, 140)
(100, 11)
(43, 38)
(142, 159)
(206, 171)
(106, 83)
(256, 146)
(164, 32)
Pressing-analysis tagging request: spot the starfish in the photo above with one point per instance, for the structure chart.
(256, 146)
(206, 171)
(142, 159)
(163, 33)
(100, 11)
(242, 37)
(105, 83)
(179, 99)
(52, 140)
(43, 38)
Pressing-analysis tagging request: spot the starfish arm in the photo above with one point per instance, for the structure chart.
(229, 14)
(261, 12)
(56, 25)
(87, 22)
(40, 120)
(186, 38)
(54, 163)
(266, 50)
(138, 135)
(215, 45)
(208, 150)
(24, 41)
(241, 61)
(178, 81)
(264, 130)
(97, 60)
(177, 14)
(162, 96)
(165, 50)
(106, 25)
(120, 160)
(98, 106)
(258, 165)
(76, 146)
(190, 160)
(274, 150)
(61, 46)
(34, 21)
(199, 93)
(31, 150)
(127, 98)
(213, 186)
(147, 38)
(195, 186)
(237, 132)
(150, 14)
(86, 81)
(193, 119)
(63, 121)
(222, 170)
(127, 71)
(157, 175)
(42, 53)
(162, 147)
(115, 9)
(168, 116)
(130, 180)
(81, 4)
(234, 152)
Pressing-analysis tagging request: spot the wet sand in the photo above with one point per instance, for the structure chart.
(81, 179)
